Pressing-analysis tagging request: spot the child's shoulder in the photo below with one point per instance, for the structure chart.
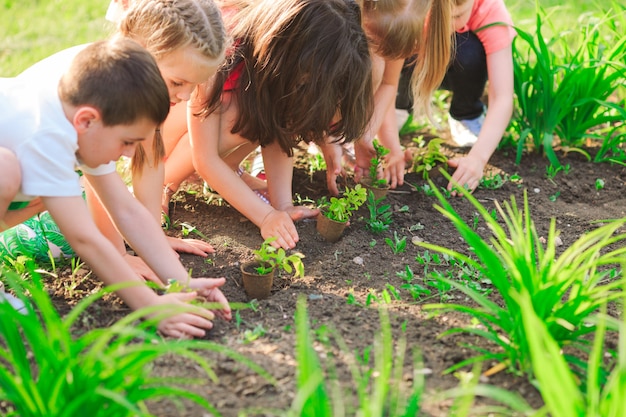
(52, 67)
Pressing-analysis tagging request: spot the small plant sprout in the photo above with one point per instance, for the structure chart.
(599, 184)
(427, 158)
(380, 214)
(187, 228)
(376, 164)
(341, 208)
(271, 258)
(397, 245)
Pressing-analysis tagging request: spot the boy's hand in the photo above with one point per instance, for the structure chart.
(207, 288)
(184, 325)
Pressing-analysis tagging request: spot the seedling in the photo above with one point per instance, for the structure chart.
(271, 258)
(599, 184)
(376, 164)
(428, 158)
(187, 228)
(380, 214)
(341, 208)
(397, 245)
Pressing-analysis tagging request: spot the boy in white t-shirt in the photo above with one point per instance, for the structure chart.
(111, 98)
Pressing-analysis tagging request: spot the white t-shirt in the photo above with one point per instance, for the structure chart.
(34, 126)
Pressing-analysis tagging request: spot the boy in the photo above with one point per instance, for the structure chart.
(111, 98)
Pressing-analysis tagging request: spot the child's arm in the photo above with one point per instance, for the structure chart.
(205, 136)
(106, 227)
(469, 169)
(143, 233)
(384, 126)
(279, 174)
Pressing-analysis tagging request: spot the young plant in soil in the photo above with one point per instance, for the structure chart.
(376, 165)
(380, 214)
(340, 209)
(270, 258)
(426, 159)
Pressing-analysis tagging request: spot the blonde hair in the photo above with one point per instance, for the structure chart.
(164, 26)
(404, 28)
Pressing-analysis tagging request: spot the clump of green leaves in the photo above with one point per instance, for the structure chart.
(49, 370)
(341, 208)
(564, 86)
(565, 290)
(397, 244)
(427, 158)
(380, 214)
(271, 258)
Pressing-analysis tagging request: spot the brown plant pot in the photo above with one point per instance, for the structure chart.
(256, 285)
(331, 230)
(379, 192)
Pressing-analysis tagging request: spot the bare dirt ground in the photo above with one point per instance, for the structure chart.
(332, 275)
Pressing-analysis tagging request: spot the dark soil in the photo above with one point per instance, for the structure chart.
(334, 274)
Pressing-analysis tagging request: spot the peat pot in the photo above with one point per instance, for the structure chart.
(256, 285)
(379, 192)
(331, 230)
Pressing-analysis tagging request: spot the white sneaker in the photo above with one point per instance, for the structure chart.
(465, 132)
(15, 302)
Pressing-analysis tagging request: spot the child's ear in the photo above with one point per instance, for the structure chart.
(85, 117)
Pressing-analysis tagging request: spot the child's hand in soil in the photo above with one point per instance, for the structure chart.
(208, 291)
(139, 266)
(278, 224)
(334, 168)
(192, 323)
(469, 171)
(395, 164)
(192, 246)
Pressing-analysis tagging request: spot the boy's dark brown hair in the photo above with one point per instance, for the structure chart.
(119, 78)
(306, 72)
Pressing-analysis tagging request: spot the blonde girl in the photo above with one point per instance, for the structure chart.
(397, 30)
(188, 40)
(483, 34)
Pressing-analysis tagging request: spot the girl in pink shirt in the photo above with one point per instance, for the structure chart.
(483, 34)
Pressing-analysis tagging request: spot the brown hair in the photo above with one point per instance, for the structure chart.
(304, 63)
(163, 26)
(403, 28)
(119, 78)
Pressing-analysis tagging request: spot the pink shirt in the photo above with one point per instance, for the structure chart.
(494, 37)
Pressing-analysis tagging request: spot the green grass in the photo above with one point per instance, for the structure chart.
(31, 30)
